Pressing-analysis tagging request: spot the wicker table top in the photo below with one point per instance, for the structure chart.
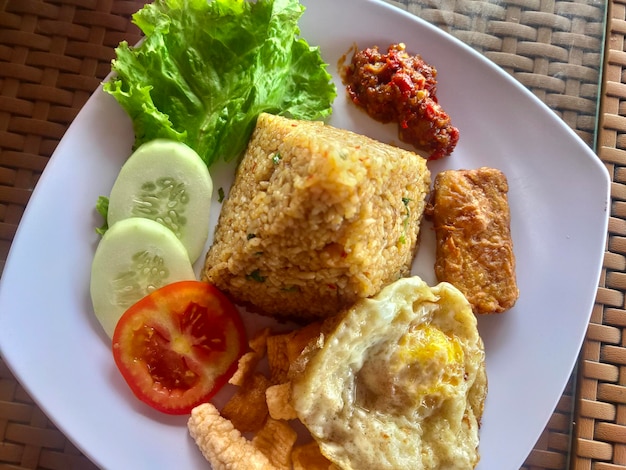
(53, 55)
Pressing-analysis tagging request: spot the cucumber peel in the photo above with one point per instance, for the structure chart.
(134, 257)
(165, 181)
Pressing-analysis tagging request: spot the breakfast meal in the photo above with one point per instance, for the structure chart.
(471, 217)
(402, 88)
(320, 226)
(316, 218)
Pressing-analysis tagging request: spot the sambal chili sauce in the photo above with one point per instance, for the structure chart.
(398, 87)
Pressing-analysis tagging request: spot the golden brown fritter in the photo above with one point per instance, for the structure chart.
(471, 216)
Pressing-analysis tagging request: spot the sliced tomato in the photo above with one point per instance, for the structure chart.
(179, 345)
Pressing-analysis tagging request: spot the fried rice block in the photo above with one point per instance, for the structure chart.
(317, 218)
(471, 216)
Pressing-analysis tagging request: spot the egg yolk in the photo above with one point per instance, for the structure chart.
(421, 370)
(429, 357)
(425, 345)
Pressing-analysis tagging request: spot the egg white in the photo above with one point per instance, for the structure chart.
(399, 382)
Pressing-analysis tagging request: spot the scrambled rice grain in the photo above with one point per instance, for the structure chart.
(317, 218)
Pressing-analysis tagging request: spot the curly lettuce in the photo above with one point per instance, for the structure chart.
(206, 69)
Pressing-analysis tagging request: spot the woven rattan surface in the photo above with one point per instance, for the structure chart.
(600, 442)
(54, 53)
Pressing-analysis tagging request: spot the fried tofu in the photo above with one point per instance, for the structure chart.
(471, 217)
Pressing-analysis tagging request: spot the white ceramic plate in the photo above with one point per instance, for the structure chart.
(559, 193)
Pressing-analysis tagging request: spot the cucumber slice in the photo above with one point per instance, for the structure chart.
(134, 257)
(168, 182)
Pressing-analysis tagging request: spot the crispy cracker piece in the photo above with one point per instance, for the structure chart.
(309, 457)
(259, 342)
(277, 356)
(276, 440)
(283, 349)
(247, 408)
(301, 338)
(221, 444)
(245, 368)
(249, 361)
(278, 401)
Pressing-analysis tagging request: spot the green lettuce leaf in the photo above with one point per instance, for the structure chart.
(102, 206)
(206, 69)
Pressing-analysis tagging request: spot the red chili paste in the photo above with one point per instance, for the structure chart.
(398, 87)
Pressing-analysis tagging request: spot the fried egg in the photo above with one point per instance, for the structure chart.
(398, 382)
